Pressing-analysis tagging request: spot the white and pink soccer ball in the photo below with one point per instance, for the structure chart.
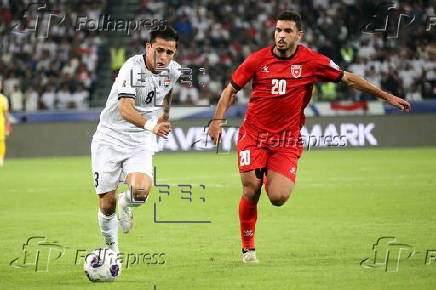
(102, 265)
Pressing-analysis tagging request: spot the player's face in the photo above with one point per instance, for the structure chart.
(164, 51)
(286, 34)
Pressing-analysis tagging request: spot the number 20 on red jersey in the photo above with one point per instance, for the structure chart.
(244, 158)
(278, 86)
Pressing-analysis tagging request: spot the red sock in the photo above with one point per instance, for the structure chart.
(247, 218)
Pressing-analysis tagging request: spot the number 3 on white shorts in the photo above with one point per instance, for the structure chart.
(244, 157)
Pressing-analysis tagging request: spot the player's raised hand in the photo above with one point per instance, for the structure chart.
(162, 129)
(403, 105)
(214, 131)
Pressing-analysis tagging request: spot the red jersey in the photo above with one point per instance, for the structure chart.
(282, 88)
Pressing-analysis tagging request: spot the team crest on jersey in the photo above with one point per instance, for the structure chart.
(166, 83)
(296, 70)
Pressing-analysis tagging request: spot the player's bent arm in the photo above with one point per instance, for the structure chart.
(226, 100)
(128, 113)
(166, 107)
(357, 82)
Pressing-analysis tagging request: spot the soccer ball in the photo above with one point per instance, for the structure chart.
(102, 265)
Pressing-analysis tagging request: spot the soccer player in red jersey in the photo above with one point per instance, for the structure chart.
(269, 139)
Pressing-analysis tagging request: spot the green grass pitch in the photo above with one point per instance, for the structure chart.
(343, 202)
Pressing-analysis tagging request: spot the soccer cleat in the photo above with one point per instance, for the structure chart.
(125, 215)
(249, 257)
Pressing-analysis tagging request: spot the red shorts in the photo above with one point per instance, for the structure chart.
(253, 154)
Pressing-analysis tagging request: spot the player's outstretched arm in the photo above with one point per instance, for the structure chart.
(128, 113)
(359, 83)
(226, 100)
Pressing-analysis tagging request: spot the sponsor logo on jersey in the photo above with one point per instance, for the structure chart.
(265, 69)
(296, 70)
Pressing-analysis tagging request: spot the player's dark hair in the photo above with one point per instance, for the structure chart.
(167, 34)
(291, 16)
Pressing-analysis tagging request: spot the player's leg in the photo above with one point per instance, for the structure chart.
(139, 187)
(107, 219)
(251, 160)
(251, 189)
(280, 178)
(279, 187)
(139, 180)
(2, 151)
(106, 172)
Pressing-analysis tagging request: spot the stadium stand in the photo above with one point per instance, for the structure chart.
(70, 69)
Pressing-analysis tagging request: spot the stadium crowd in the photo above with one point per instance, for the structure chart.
(47, 67)
(219, 35)
(59, 72)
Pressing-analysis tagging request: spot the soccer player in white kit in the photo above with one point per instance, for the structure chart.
(123, 146)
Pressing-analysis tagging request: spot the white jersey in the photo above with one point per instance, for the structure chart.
(149, 90)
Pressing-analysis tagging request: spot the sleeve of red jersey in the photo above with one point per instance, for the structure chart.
(326, 70)
(244, 72)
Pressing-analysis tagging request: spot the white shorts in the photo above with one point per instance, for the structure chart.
(111, 164)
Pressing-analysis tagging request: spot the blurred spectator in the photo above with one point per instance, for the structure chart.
(32, 99)
(17, 99)
(408, 75)
(10, 83)
(83, 75)
(80, 98)
(189, 95)
(48, 98)
(63, 97)
(415, 94)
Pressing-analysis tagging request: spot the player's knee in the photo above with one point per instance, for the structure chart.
(108, 204)
(279, 199)
(141, 192)
(251, 192)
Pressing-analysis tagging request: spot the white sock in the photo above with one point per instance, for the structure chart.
(109, 230)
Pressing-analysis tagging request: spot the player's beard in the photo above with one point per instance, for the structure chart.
(284, 49)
